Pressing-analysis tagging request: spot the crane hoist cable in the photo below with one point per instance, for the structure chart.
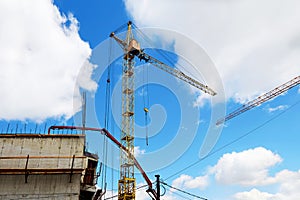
(146, 124)
(132, 50)
(145, 94)
(107, 117)
(112, 124)
(160, 52)
(161, 65)
(145, 91)
(151, 44)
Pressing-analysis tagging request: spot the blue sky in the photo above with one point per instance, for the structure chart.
(61, 48)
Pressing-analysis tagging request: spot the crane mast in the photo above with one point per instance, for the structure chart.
(261, 99)
(131, 48)
(126, 184)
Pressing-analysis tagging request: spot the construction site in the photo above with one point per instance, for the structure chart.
(55, 165)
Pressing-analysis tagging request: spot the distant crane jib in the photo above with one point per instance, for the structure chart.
(261, 99)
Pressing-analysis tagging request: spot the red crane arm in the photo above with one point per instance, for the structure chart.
(114, 140)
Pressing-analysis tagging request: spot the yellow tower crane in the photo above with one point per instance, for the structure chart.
(131, 48)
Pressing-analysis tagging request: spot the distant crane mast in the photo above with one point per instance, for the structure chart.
(261, 99)
(131, 48)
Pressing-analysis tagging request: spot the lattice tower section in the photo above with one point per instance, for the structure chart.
(126, 185)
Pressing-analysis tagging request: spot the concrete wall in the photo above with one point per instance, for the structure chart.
(40, 187)
(49, 166)
(13, 145)
(45, 151)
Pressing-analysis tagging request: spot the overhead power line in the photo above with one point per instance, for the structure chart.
(185, 192)
(235, 140)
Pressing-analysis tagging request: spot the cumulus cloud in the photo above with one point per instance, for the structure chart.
(289, 184)
(254, 44)
(138, 151)
(188, 182)
(142, 194)
(248, 168)
(288, 188)
(41, 55)
(184, 182)
(280, 107)
(253, 194)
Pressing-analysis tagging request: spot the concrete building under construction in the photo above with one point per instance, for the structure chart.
(46, 166)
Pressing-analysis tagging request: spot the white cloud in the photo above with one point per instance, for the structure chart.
(183, 182)
(41, 55)
(253, 194)
(289, 184)
(141, 193)
(138, 151)
(188, 182)
(288, 188)
(84, 79)
(201, 100)
(280, 107)
(254, 44)
(248, 168)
